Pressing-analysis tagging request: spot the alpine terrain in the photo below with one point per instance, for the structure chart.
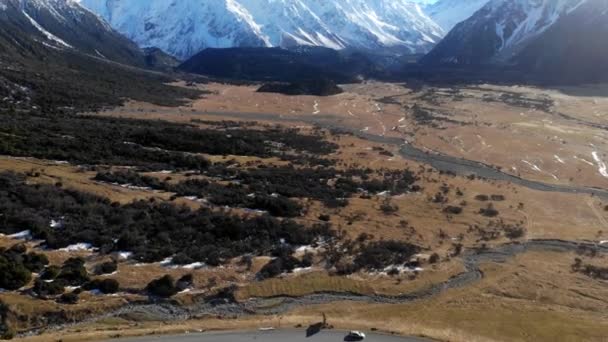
(512, 32)
(185, 27)
(62, 25)
(448, 13)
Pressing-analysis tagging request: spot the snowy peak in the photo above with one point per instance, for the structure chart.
(184, 27)
(499, 30)
(448, 13)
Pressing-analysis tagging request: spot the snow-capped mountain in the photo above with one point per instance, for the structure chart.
(448, 13)
(185, 27)
(500, 30)
(574, 49)
(31, 25)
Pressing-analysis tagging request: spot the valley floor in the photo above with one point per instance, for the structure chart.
(513, 263)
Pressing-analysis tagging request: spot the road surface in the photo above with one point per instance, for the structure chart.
(268, 336)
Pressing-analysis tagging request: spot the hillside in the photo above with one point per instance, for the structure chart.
(277, 64)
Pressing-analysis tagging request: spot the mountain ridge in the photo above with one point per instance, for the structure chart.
(186, 27)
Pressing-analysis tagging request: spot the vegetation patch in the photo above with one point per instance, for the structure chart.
(152, 231)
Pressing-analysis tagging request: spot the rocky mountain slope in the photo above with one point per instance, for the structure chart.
(62, 25)
(55, 53)
(185, 27)
(548, 40)
(500, 30)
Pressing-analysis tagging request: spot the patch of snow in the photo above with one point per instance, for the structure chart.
(78, 247)
(602, 168)
(46, 33)
(533, 166)
(124, 255)
(584, 161)
(166, 261)
(56, 224)
(316, 108)
(23, 235)
(560, 160)
(192, 266)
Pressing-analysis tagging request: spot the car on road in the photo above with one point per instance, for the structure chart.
(355, 336)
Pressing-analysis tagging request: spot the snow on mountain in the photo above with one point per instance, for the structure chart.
(64, 25)
(184, 27)
(448, 13)
(499, 30)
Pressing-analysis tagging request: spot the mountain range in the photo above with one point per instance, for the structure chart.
(185, 27)
(558, 39)
(550, 38)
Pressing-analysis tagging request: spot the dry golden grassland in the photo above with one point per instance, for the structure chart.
(532, 297)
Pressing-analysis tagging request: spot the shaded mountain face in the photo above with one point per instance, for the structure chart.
(56, 54)
(548, 40)
(278, 64)
(574, 49)
(499, 30)
(449, 13)
(185, 27)
(62, 25)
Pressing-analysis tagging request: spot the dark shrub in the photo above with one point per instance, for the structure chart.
(489, 211)
(50, 272)
(184, 282)
(388, 208)
(106, 286)
(278, 266)
(13, 276)
(162, 287)
(35, 262)
(482, 198)
(73, 272)
(434, 258)
(453, 210)
(497, 198)
(44, 289)
(182, 259)
(106, 268)
(68, 298)
(393, 272)
(515, 232)
(379, 255)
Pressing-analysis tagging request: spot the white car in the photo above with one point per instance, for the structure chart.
(355, 336)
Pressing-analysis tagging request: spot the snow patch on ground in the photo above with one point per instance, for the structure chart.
(559, 160)
(83, 246)
(532, 166)
(23, 235)
(192, 266)
(584, 161)
(124, 255)
(602, 168)
(56, 224)
(316, 108)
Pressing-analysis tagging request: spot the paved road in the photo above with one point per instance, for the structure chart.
(268, 336)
